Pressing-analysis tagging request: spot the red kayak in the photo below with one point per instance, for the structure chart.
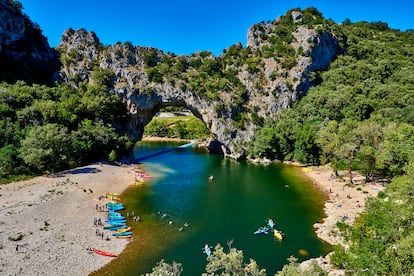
(103, 253)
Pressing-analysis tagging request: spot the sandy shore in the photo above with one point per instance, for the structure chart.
(344, 203)
(47, 223)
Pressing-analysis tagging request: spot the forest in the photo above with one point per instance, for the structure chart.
(359, 115)
(45, 129)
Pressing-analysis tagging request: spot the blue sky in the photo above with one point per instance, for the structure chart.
(187, 26)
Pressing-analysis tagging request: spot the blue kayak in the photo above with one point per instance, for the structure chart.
(116, 217)
(262, 230)
(116, 228)
(207, 250)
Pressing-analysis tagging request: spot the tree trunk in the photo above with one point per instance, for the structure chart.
(350, 175)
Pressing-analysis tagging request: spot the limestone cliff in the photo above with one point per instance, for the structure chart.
(24, 52)
(232, 94)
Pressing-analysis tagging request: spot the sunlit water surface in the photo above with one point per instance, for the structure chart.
(239, 200)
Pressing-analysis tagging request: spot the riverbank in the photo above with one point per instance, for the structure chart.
(47, 223)
(344, 203)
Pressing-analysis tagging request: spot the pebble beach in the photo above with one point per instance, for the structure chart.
(344, 203)
(47, 223)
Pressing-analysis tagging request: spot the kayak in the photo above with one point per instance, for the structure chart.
(124, 237)
(114, 204)
(262, 230)
(207, 250)
(270, 223)
(114, 214)
(277, 234)
(103, 253)
(114, 224)
(115, 217)
(115, 228)
(124, 230)
(122, 234)
(115, 208)
(110, 220)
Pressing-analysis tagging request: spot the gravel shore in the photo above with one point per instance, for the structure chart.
(344, 203)
(47, 223)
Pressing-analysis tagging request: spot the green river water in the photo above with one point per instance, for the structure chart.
(239, 200)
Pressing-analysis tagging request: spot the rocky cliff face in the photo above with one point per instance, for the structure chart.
(24, 52)
(232, 94)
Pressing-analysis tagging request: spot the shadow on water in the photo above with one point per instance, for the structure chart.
(239, 200)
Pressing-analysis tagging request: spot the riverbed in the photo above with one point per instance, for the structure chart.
(181, 211)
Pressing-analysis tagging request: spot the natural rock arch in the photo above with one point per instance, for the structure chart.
(267, 88)
(144, 107)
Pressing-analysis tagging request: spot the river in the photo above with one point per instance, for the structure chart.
(240, 199)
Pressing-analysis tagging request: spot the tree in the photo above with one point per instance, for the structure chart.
(293, 268)
(397, 155)
(166, 269)
(327, 138)
(370, 134)
(380, 242)
(231, 263)
(339, 144)
(8, 156)
(46, 147)
(306, 150)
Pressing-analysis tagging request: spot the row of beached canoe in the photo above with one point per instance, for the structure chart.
(115, 222)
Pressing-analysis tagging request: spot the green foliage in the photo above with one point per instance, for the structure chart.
(46, 147)
(183, 127)
(381, 240)
(101, 76)
(154, 75)
(293, 268)
(166, 269)
(231, 263)
(397, 155)
(51, 128)
(365, 93)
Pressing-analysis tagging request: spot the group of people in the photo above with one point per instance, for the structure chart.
(97, 221)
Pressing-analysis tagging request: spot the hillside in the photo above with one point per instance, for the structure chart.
(232, 94)
(303, 89)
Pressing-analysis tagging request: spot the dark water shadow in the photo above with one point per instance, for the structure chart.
(83, 170)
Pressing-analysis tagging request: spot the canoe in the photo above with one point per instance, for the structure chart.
(122, 234)
(124, 237)
(103, 253)
(124, 230)
(114, 214)
(114, 224)
(116, 218)
(114, 204)
(112, 194)
(115, 228)
(115, 208)
(277, 234)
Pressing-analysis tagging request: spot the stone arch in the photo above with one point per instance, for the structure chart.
(145, 106)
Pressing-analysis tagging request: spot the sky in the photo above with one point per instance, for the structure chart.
(187, 26)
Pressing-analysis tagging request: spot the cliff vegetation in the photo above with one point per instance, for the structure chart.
(303, 89)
